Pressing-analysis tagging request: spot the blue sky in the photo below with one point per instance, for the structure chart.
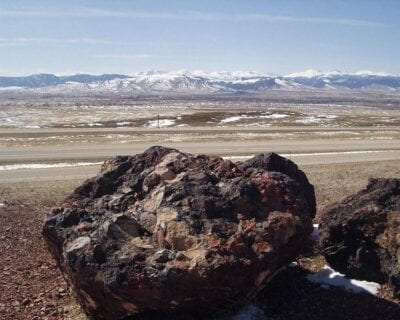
(270, 36)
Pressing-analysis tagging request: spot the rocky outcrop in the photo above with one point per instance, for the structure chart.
(361, 235)
(166, 230)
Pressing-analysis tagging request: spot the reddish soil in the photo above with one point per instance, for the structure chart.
(32, 288)
(31, 285)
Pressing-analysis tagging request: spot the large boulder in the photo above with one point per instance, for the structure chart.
(166, 231)
(360, 236)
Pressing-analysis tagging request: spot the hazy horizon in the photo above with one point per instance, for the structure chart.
(245, 73)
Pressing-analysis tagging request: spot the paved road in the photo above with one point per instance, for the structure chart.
(16, 132)
(96, 152)
(302, 152)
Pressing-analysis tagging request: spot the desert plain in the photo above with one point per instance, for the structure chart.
(49, 146)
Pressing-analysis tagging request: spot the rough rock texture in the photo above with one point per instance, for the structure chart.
(361, 236)
(165, 230)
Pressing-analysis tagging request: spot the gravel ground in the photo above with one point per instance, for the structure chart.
(31, 286)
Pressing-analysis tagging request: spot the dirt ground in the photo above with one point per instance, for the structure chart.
(31, 287)
(333, 182)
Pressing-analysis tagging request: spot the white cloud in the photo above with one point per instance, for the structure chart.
(187, 15)
(317, 20)
(18, 42)
(123, 56)
(11, 42)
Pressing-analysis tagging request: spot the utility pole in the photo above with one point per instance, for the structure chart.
(158, 121)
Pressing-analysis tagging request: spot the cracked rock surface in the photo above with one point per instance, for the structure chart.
(169, 231)
(360, 236)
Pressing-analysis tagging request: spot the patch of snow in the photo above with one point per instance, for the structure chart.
(371, 73)
(160, 123)
(246, 81)
(46, 165)
(315, 233)
(123, 123)
(232, 119)
(329, 277)
(275, 116)
(282, 82)
(32, 127)
(2, 204)
(308, 120)
(305, 74)
(250, 312)
(95, 124)
(316, 119)
(226, 75)
(261, 116)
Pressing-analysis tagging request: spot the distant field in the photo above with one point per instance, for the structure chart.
(27, 123)
(180, 114)
(49, 148)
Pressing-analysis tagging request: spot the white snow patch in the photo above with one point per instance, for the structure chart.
(315, 233)
(371, 73)
(305, 74)
(95, 124)
(160, 123)
(47, 165)
(123, 123)
(308, 120)
(275, 116)
(2, 204)
(329, 277)
(246, 81)
(261, 116)
(31, 127)
(232, 119)
(250, 312)
(282, 82)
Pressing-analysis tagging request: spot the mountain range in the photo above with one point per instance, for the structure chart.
(199, 82)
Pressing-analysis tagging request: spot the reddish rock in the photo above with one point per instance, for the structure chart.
(169, 231)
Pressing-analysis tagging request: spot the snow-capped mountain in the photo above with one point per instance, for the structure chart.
(200, 82)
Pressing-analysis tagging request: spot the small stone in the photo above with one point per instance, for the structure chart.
(162, 256)
(78, 244)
